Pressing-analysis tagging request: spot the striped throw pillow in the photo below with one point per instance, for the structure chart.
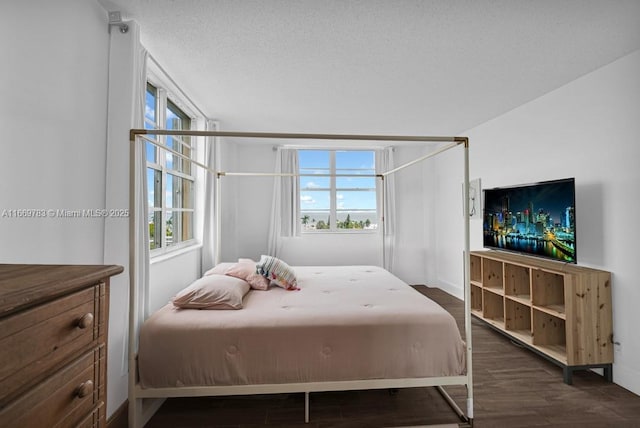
(278, 272)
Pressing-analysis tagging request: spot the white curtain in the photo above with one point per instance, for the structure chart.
(125, 109)
(387, 206)
(141, 199)
(285, 208)
(209, 226)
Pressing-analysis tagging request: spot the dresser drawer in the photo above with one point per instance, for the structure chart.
(36, 341)
(97, 418)
(64, 399)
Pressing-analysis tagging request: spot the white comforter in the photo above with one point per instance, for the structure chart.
(346, 323)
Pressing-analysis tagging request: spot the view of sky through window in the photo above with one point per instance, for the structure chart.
(170, 183)
(354, 206)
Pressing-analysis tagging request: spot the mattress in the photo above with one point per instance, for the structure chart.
(345, 323)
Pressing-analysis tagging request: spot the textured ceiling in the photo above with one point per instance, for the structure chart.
(435, 67)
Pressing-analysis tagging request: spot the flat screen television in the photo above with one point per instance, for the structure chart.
(537, 219)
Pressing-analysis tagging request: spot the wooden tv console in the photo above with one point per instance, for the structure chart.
(560, 311)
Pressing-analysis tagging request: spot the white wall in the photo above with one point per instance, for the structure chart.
(247, 200)
(170, 275)
(53, 117)
(54, 83)
(588, 130)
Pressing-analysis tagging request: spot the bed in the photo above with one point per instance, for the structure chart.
(346, 323)
(347, 328)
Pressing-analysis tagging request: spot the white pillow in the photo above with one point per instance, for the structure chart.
(212, 292)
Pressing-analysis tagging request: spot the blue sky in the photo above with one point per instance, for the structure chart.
(150, 115)
(347, 162)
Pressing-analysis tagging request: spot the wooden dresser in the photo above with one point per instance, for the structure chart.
(53, 345)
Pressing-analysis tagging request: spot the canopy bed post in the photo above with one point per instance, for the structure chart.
(384, 231)
(134, 403)
(467, 281)
(306, 407)
(218, 219)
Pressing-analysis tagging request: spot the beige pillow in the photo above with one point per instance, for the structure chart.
(213, 291)
(219, 269)
(246, 269)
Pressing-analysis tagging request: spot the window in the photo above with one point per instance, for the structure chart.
(337, 190)
(170, 178)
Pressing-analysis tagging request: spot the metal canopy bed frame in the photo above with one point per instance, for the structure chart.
(137, 393)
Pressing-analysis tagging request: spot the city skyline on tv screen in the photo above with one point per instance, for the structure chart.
(537, 219)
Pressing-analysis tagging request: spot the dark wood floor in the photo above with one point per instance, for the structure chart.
(512, 386)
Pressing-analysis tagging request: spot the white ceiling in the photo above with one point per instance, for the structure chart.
(437, 67)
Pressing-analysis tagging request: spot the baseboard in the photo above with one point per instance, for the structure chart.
(452, 289)
(119, 418)
(626, 377)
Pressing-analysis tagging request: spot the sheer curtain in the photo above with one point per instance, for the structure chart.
(125, 109)
(386, 205)
(141, 259)
(209, 226)
(285, 208)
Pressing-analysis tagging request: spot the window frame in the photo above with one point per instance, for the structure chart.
(333, 190)
(165, 100)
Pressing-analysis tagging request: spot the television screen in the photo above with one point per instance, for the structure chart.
(537, 219)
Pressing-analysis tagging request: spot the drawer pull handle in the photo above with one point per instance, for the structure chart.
(85, 321)
(84, 389)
